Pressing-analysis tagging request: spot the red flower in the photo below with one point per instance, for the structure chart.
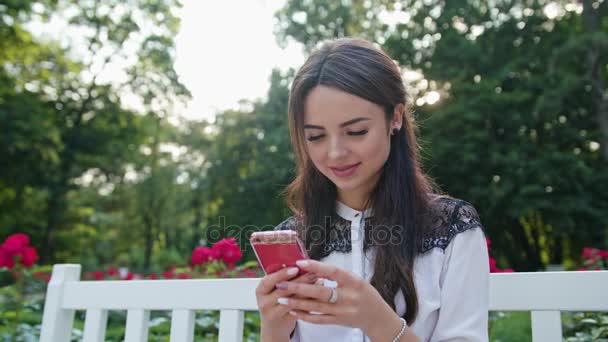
(98, 275)
(153, 276)
(201, 255)
(603, 254)
(249, 273)
(227, 250)
(168, 274)
(112, 272)
(6, 260)
(42, 275)
(129, 276)
(493, 267)
(29, 256)
(184, 276)
(589, 252)
(15, 243)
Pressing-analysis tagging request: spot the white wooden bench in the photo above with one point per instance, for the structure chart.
(545, 294)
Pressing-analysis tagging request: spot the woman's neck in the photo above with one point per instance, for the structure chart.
(355, 202)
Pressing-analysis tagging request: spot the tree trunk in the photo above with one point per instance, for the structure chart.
(168, 237)
(532, 260)
(54, 211)
(149, 240)
(196, 224)
(557, 255)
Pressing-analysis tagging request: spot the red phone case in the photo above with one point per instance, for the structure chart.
(273, 254)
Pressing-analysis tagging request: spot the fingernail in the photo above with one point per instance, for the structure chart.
(293, 313)
(282, 285)
(283, 300)
(302, 263)
(320, 281)
(292, 271)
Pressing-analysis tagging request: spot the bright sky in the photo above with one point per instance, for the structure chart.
(226, 51)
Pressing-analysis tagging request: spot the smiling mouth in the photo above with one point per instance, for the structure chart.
(344, 168)
(345, 171)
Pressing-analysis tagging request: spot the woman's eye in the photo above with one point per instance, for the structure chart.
(362, 132)
(354, 133)
(315, 137)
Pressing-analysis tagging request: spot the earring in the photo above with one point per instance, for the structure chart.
(395, 130)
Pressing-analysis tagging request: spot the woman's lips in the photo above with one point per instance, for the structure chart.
(345, 171)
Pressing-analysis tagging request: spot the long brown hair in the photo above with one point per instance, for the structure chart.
(401, 195)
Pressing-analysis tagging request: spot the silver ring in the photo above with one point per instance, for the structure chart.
(334, 296)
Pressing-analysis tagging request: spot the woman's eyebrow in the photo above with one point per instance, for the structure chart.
(344, 124)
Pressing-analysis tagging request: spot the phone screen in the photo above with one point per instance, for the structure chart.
(275, 256)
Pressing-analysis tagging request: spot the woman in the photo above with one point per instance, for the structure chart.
(397, 261)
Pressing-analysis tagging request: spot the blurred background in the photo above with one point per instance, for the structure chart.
(132, 132)
(124, 138)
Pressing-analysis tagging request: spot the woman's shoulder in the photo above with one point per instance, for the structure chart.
(290, 223)
(445, 218)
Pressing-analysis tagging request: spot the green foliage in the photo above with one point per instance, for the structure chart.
(515, 131)
(510, 327)
(248, 165)
(586, 326)
(60, 123)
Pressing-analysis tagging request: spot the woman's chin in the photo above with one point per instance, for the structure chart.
(345, 185)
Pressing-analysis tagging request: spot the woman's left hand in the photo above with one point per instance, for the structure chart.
(359, 305)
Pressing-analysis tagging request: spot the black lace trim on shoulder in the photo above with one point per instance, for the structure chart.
(290, 223)
(446, 218)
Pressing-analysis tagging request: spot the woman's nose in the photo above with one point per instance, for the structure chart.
(337, 149)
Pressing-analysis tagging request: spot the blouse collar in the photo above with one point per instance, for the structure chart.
(351, 214)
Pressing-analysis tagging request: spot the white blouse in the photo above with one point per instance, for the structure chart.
(451, 276)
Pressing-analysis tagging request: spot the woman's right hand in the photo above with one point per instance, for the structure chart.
(277, 323)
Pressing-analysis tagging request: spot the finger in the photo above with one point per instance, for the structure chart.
(324, 270)
(281, 291)
(268, 282)
(312, 318)
(310, 305)
(271, 298)
(308, 278)
(318, 292)
(280, 311)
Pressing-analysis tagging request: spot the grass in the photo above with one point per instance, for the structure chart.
(510, 327)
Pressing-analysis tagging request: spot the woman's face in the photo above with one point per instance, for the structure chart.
(348, 140)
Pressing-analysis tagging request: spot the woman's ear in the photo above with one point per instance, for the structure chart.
(398, 114)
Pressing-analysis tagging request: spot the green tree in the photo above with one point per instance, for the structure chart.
(88, 124)
(247, 166)
(515, 130)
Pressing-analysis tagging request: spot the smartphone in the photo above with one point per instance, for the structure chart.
(276, 250)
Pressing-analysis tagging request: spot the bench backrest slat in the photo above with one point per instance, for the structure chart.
(95, 323)
(137, 325)
(231, 325)
(182, 325)
(546, 325)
